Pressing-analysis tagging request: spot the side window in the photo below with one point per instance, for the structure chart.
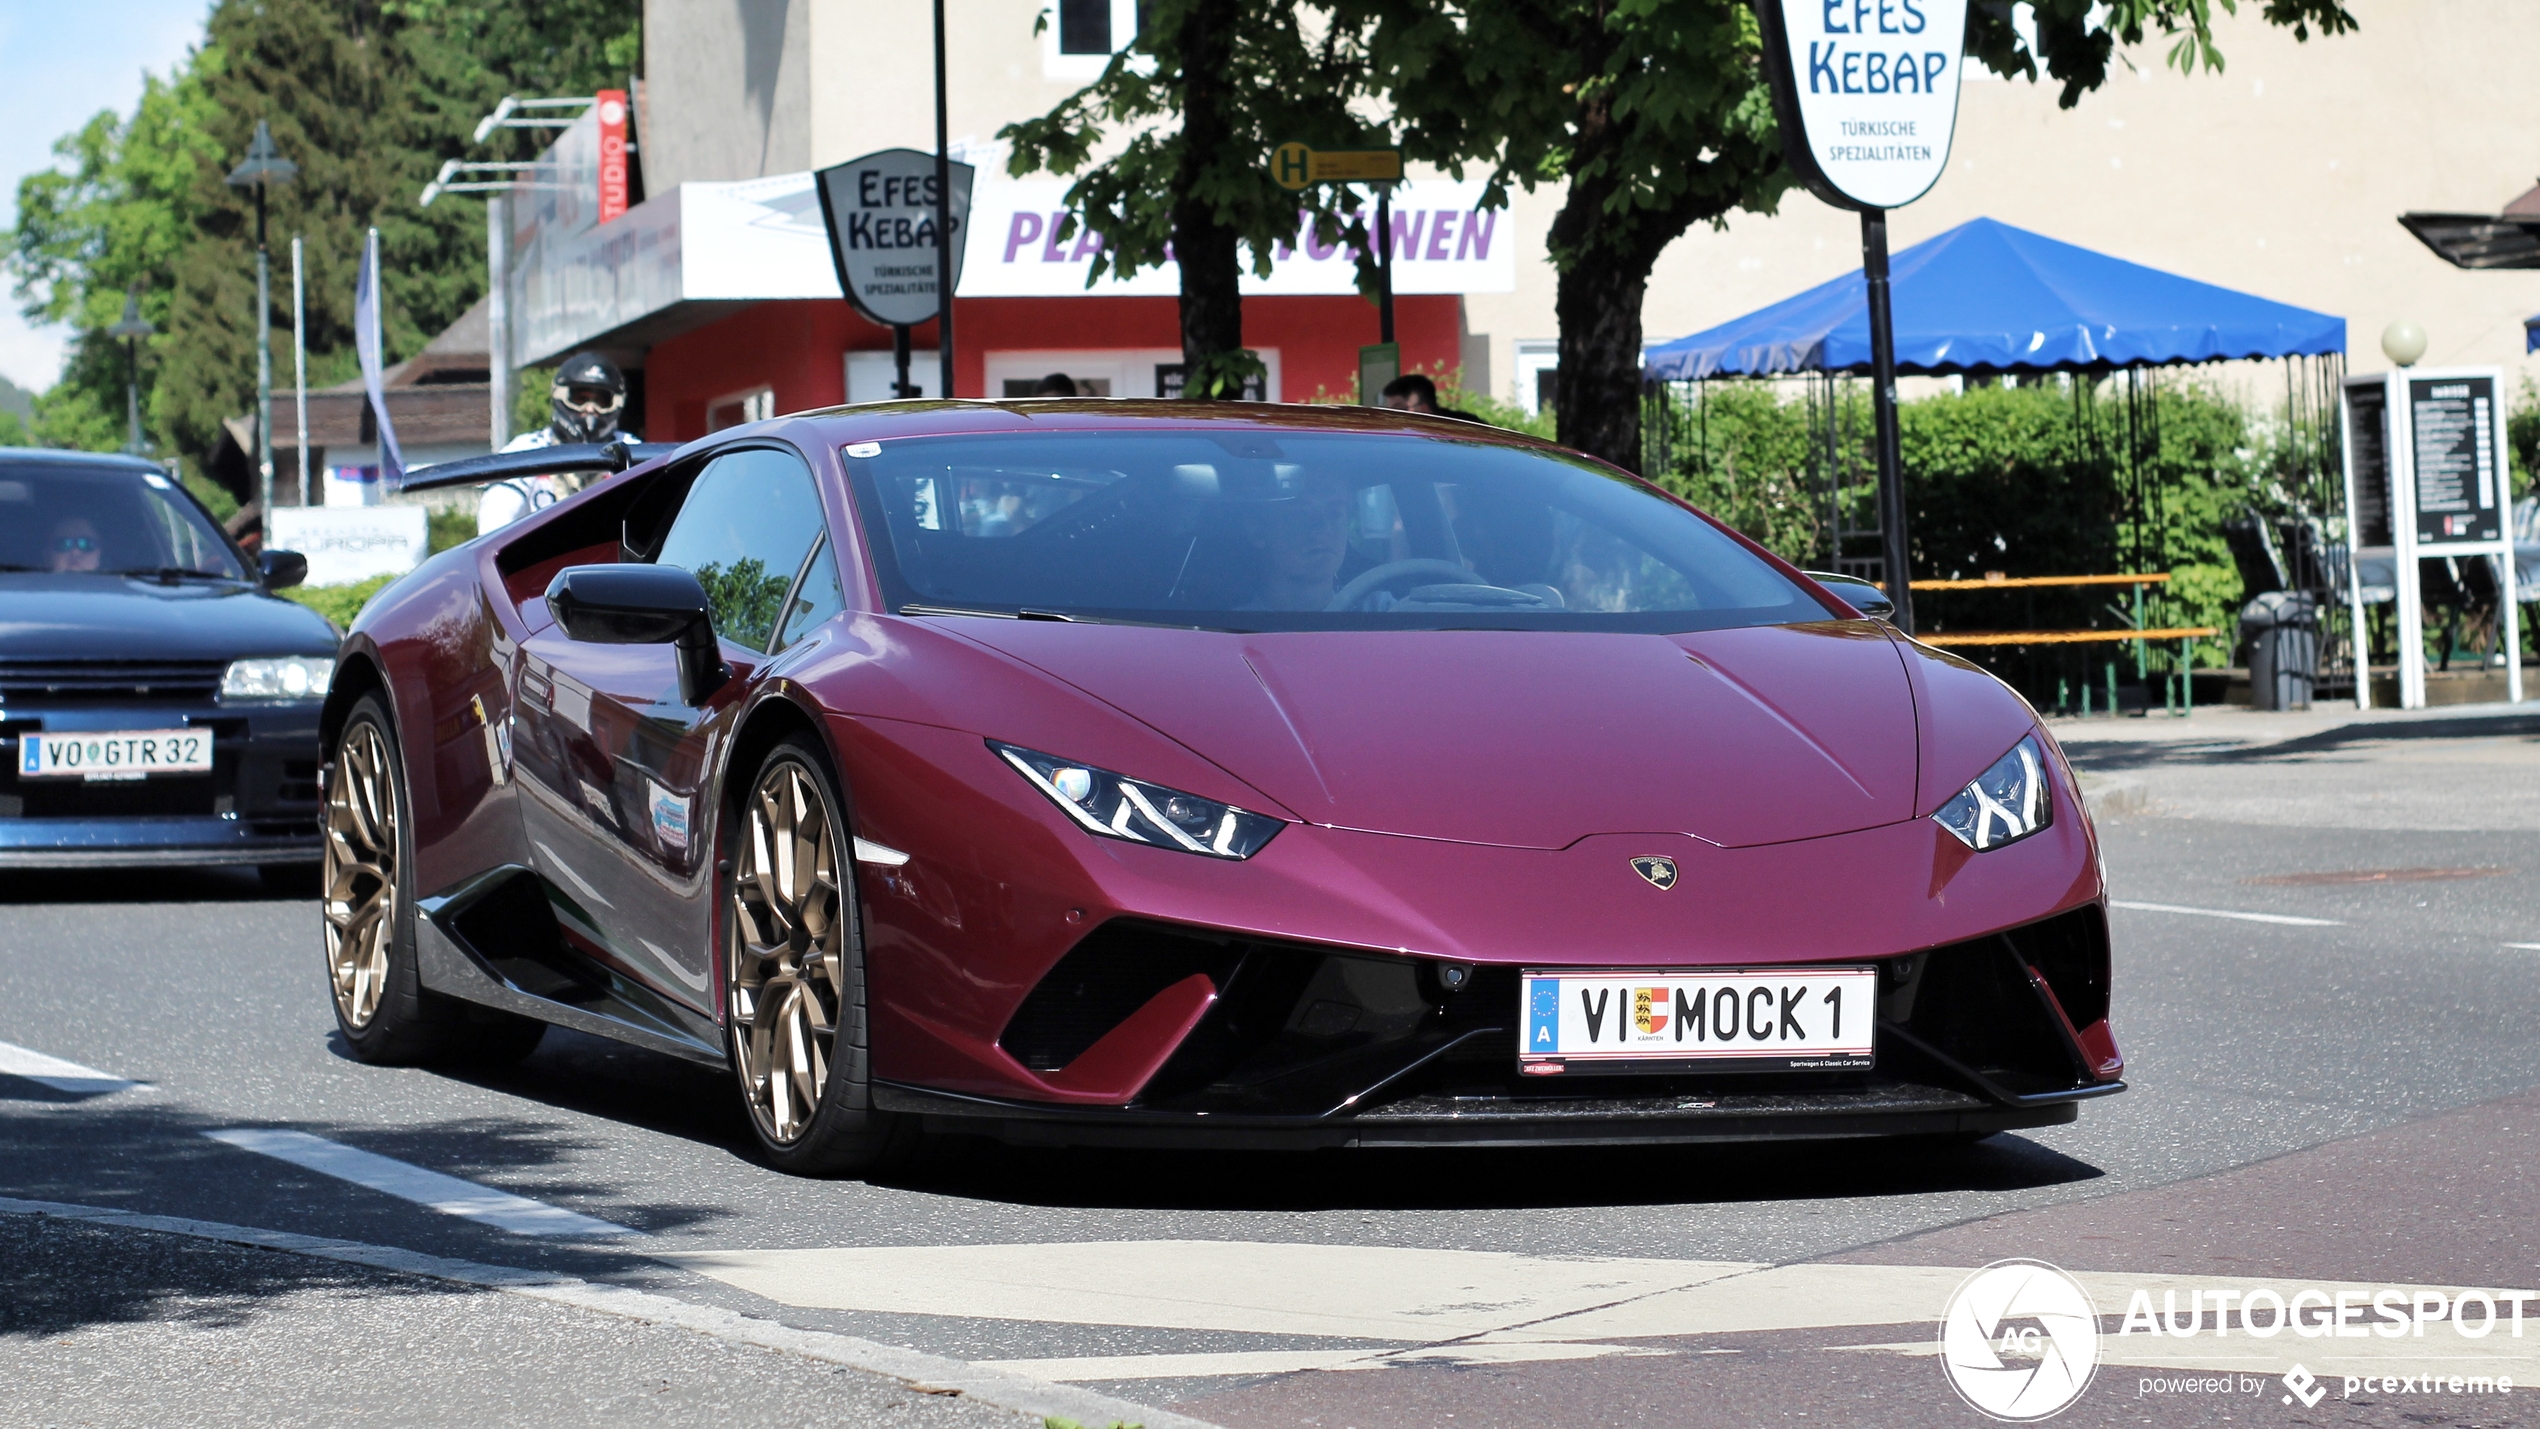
(817, 600)
(747, 523)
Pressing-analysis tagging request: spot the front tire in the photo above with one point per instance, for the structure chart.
(794, 978)
(366, 878)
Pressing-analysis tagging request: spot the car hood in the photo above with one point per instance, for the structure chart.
(1521, 738)
(95, 617)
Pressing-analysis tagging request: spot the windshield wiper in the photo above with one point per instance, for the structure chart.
(171, 574)
(6, 567)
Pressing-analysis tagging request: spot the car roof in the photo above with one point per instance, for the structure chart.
(882, 420)
(56, 456)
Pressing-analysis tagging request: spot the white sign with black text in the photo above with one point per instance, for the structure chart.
(346, 544)
(881, 212)
(1867, 93)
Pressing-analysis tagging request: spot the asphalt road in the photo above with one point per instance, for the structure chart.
(2336, 1088)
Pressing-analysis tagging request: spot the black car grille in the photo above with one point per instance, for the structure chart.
(58, 684)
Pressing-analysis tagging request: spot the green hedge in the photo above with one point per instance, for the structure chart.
(2021, 480)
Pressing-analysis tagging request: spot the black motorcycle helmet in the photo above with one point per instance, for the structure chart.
(589, 397)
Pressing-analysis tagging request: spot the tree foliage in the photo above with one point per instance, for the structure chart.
(1170, 150)
(367, 97)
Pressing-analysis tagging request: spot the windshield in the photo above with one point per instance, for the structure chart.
(1298, 531)
(70, 519)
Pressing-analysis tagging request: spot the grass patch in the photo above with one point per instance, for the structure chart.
(339, 603)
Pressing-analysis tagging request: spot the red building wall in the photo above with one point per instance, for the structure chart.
(797, 348)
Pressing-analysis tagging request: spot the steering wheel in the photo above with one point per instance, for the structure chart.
(1429, 571)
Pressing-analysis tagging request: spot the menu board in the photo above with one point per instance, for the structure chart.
(2368, 452)
(2453, 420)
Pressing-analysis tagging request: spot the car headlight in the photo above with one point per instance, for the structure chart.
(290, 677)
(2005, 803)
(1119, 807)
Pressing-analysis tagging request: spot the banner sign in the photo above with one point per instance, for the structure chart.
(346, 544)
(1866, 92)
(1443, 242)
(2452, 426)
(881, 212)
(611, 110)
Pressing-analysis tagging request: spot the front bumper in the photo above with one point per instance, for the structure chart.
(1286, 1045)
(259, 804)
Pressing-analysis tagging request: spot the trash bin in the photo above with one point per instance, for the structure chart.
(2282, 628)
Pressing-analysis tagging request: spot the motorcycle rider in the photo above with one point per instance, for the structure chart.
(588, 398)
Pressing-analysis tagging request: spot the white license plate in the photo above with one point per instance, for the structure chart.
(114, 754)
(1718, 1019)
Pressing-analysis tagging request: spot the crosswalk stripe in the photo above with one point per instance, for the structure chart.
(446, 1194)
(2286, 919)
(1107, 1368)
(53, 1072)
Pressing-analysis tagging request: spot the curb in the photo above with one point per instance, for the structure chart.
(925, 1373)
(2117, 796)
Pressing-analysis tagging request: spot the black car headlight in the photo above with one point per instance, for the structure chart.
(287, 677)
(1119, 807)
(2005, 803)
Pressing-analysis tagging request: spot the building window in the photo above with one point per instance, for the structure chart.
(1538, 368)
(1169, 375)
(741, 408)
(1081, 36)
(1084, 27)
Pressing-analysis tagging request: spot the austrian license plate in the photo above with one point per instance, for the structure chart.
(114, 754)
(1718, 1019)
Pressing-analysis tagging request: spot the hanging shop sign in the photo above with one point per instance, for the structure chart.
(2425, 487)
(881, 213)
(1866, 92)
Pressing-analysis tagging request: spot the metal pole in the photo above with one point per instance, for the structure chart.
(943, 225)
(1384, 266)
(264, 377)
(132, 391)
(899, 354)
(498, 321)
(300, 365)
(1900, 586)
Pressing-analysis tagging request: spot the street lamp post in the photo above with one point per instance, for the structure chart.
(132, 329)
(263, 166)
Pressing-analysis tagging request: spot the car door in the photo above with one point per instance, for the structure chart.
(619, 823)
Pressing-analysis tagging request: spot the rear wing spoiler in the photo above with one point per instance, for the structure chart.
(610, 457)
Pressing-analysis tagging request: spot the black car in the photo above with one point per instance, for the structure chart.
(158, 705)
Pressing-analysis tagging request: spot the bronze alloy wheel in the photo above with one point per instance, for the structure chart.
(361, 873)
(787, 949)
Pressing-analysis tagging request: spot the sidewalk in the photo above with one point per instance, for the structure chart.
(2244, 728)
(2457, 768)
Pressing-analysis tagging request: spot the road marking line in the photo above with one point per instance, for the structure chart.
(1261, 1362)
(999, 1389)
(446, 1194)
(53, 1072)
(2526, 947)
(1383, 1294)
(2284, 918)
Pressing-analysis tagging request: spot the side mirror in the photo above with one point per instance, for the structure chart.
(282, 569)
(643, 605)
(1862, 595)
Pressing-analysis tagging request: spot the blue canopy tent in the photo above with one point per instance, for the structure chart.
(1987, 297)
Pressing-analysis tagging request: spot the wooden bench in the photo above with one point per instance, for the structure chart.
(2186, 635)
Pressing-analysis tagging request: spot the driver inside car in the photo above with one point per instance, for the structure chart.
(1302, 542)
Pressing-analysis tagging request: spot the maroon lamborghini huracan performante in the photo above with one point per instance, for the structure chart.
(1255, 776)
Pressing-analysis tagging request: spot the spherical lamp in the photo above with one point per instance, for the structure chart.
(2403, 342)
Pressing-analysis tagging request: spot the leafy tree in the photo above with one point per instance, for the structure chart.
(1655, 115)
(367, 97)
(115, 218)
(1222, 84)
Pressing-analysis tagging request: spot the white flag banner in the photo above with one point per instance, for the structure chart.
(392, 463)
